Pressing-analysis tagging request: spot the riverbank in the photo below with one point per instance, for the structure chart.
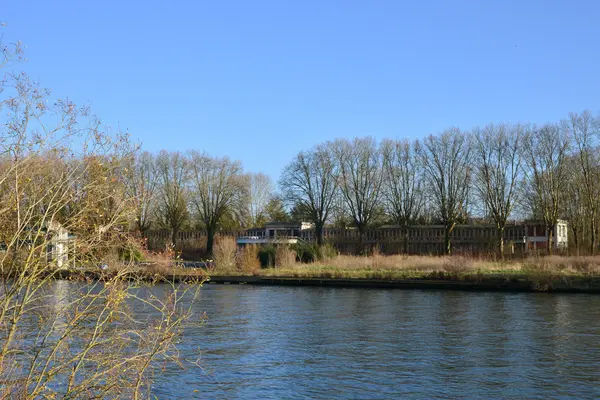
(555, 273)
(488, 283)
(430, 281)
(544, 274)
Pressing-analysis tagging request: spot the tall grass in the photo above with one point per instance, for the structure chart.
(378, 266)
(224, 252)
(284, 257)
(247, 259)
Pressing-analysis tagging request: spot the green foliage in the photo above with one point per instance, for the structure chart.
(266, 256)
(300, 212)
(130, 254)
(311, 252)
(327, 252)
(276, 211)
(306, 252)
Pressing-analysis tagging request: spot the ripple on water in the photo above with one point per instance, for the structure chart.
(286, 342)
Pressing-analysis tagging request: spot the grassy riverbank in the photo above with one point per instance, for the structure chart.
(407, 267)
(555, 273)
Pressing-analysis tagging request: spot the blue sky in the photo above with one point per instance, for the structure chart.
(260, 80)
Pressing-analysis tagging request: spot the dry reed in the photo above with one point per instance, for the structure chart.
(284, 257)
(224, 252)
(379, 266)
(247, 259)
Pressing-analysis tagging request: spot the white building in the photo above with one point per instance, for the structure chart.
(59, 244)
(275, 233)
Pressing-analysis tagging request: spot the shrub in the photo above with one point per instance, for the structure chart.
(224, 252)
(457, 264)
(541, 273)
(327, 252)
(585, 265)
(200, 244)
(130, 253)
(306, 252)
(311, 252)
(266, 255)
(161, 261)
(284, 256)
(247, 259)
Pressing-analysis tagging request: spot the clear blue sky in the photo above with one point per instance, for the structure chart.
(260, 80)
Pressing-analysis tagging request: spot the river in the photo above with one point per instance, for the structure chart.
(310, 342)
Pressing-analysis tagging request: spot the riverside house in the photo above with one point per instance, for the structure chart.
(276, 233)
(519, 237)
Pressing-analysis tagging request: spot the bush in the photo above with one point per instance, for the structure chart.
(266, 255)
(224, 252)
(284, 256)
(327, 252)
(200, 244)
(541, 273)
(457, 264)
(247, 259)
(311, 252)
(168, 258)
(306, 252)
(130, 253)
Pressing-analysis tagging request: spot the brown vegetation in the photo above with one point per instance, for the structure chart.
(284, 257)
(64, 205)
(377, 266)
(247, 260)
(224, 252)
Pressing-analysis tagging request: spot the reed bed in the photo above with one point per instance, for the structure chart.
(377, 266)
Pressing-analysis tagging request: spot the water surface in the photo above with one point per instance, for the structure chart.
(305, 342)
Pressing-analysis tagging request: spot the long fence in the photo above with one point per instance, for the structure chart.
(426, 239)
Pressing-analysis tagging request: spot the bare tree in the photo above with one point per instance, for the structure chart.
(59, 175)
(574, 203)
(497, 172)
(140, 179)
(403, 184)
(545, 151)
(260, 192)
(340, 216)
(172, 172)
(218, 188)
(586, 137)
(361, 171)
(310, 182)
(447, 165)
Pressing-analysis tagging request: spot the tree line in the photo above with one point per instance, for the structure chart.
(493, 173)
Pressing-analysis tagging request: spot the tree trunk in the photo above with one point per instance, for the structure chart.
(361, 239)
(500, 241)
(319, 233)
(593, 235)
(447, 242)
(576, 240)
(210, 239)
(550, 239)
(174, 233)
(405, 239)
